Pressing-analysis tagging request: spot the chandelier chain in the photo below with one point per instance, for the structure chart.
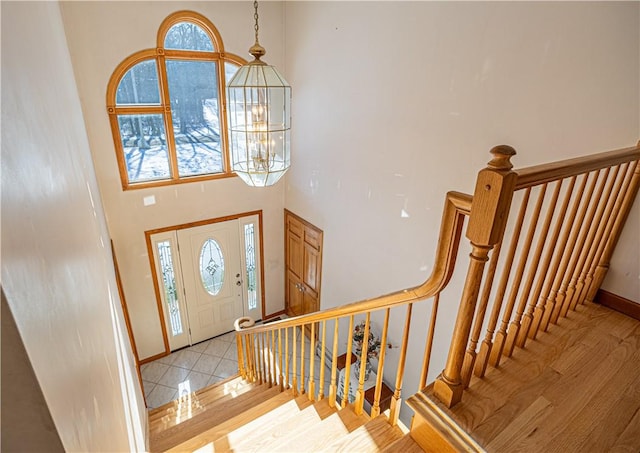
(255, 16)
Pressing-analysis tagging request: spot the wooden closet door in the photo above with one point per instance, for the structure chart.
(303, 256)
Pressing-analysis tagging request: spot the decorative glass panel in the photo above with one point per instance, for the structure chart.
(212, 267)
(193, 89)
(250, 256)
(170, 290)
(139, 85)
(187, 36)
(145, 147)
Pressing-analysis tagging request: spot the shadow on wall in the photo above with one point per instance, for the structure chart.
(26, 424)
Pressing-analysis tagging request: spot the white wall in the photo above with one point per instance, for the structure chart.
(101, 35)
(396, 103)
(57, 271)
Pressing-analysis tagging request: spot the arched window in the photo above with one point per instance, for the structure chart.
(167, 106)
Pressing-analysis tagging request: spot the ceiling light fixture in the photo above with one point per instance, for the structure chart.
(259, 106)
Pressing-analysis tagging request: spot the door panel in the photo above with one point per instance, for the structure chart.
(303, 253)
(311, 261)
(295, 256)
(294, 296)
(212, 273)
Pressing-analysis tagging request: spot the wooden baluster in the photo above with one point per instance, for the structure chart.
(590, 243)
(534, 267)
(574, 268)
(333, 389)
(287, 383)
(489, 214)
(252, 353)
(614, 235)
(560, 252)
(312, 357)
(281, 355)
(396, 400)
(514, 326)
(347, 364)
(322, 360)
(488, 347)
(429, 345)
(359, 403)
(547, 276)
(266, 349)
(272, 356)
(302, 348)
(259, 357)
(241, 364)
(294, 372)
(470, 356)
(558, 290)
(604, 221)
(375, 408)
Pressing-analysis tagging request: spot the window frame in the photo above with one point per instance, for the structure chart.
(160, 54)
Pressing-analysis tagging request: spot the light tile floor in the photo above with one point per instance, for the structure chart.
(204, 364)
(189, 369)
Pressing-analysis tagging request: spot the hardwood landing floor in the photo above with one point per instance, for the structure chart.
(576, 388)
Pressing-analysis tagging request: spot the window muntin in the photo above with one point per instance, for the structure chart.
(166, 106)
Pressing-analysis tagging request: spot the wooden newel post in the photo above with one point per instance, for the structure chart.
(487, 222)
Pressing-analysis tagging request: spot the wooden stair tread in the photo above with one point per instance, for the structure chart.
(333, 424)
(203, 396)
(252, 421)
(215, 414)
(279, 431)
(405, 445)
(193, 405)
(374, 436)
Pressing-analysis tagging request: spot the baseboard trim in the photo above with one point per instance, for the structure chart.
(618, 303)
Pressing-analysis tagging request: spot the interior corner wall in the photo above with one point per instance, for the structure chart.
(396, 103)
(29, 427)
(100, 36)
(57, 271)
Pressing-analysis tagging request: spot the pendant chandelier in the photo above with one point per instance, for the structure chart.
(259, 106)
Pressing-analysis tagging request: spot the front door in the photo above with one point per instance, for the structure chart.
(206, 276)
(212, 273)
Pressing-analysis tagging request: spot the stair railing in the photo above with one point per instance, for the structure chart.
(579, 209)
(274, 353)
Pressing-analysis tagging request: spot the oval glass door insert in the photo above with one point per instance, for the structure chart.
(212, 267)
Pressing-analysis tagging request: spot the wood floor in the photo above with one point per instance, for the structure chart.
(575, 388)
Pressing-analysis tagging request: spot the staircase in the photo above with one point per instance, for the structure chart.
(239, 416)
(533, 365)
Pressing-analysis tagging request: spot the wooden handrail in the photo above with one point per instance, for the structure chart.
(556, 273)
(540, 174)
(578, 248)
(457, 206)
